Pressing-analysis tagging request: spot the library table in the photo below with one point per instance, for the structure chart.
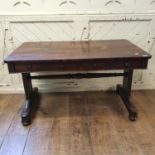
(68, 56)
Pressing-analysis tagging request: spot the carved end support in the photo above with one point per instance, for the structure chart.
(29, 107)
(132, 110)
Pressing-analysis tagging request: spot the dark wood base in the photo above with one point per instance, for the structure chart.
(132, 110)
(89, 56)
(31, 95)
(30, 107)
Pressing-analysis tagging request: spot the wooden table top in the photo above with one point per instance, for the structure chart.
(76, 50)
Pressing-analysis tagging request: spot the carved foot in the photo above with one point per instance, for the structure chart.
(133, 116)
(132, 110)
(29, 108)
(26, 113)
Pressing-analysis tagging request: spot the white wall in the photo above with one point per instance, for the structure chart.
(46, 20)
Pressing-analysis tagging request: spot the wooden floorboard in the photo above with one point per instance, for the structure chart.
(81, 123)
(9, 107)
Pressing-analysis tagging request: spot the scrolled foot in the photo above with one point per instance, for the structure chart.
(26, 121)
(30, 107)
(133, 116)
(25, 115)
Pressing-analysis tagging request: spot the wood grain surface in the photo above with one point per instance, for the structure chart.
(76, 50)
(85, 123)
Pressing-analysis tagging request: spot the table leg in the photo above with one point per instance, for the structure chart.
(31, 94)
(125, 93)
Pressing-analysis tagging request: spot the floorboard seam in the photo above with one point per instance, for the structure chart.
(7, 130)
(88, 126)
(26, 141)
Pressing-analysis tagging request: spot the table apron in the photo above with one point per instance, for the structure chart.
(21, 67)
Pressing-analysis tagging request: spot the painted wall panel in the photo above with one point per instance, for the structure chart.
(77, 6)
(5, 80)
(52, 28)
(46, 20)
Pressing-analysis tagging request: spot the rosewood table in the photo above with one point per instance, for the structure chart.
(77, 56)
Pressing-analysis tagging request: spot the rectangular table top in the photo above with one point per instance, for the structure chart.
(77, 56)
(76, 50)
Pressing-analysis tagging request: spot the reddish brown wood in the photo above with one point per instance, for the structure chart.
(74, 65)
(70, 56)
(77, 56)
(76, 50)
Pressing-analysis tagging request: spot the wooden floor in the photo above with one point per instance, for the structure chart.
(85, 123)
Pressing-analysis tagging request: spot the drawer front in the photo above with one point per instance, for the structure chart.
(77, 66)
